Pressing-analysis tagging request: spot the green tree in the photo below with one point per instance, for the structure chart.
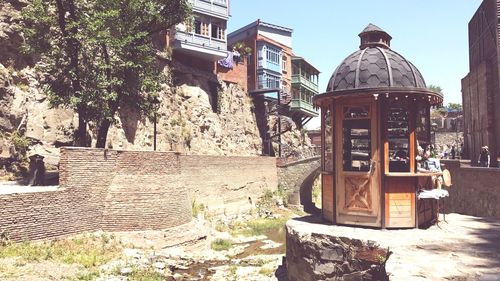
(455, 106)
(98, 55)
(436, 89)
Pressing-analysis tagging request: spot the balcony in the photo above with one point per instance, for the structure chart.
(303, 107)
(206, 46)
(299, 79)
(212, 7)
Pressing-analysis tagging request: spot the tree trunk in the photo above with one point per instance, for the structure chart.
(102, 133)
(72, 48)
(81, 133)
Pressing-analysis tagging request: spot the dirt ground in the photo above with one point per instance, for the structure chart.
(463, 248)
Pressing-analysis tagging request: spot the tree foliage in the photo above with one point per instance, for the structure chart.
(455, 106)
(436, 89)
(243, 49)
(98, 55)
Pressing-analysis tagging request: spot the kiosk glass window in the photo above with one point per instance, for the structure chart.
(398, 138)
(422, 127)
(423, 134)
(328, 140)
(356, 139)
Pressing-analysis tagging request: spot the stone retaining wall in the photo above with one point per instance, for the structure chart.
(475, 190)
(133, 190)
(314, 255)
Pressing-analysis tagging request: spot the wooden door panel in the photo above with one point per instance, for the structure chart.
(357, 192)
(358, 195)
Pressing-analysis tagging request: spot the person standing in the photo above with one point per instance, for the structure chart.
(453, 152)
(484, 157)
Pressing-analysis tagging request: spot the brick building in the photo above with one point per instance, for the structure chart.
(201, 40)
(481, 88)
(273, 69)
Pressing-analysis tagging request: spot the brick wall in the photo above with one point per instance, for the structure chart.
(134, 190)
(237, 75)
(101, 189)
(474, 191)
(145, 193)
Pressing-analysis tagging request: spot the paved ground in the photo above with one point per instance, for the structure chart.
(10, 187)
(464, 248)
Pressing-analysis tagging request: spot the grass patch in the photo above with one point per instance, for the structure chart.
(147, 274)
(232, 274)
(266, 271)
(221, 244)
(260, 226)
(316, 192)
(86, 250)
(197, 208)
(87, 275)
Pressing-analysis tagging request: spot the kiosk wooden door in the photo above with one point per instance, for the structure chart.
(357, 164)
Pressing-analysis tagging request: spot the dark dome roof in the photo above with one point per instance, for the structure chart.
(375, 65)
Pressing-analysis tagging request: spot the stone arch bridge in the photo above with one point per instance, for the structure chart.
(297, 178)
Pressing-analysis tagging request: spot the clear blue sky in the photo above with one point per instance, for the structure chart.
(432, 34)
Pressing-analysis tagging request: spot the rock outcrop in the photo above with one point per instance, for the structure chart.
(313, 255)
(199, 114)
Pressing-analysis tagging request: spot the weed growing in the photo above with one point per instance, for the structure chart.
(259, 226)
(221, 245)
(88, 251)
(145, 274)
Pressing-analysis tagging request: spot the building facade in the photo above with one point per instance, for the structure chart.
(481, 88)
(304, 87)
(273, 69)
(201, 40)
(269, 66)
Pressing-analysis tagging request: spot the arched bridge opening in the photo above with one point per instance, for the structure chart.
(299, 178)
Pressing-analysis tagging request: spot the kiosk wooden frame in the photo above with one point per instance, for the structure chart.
(374, 116)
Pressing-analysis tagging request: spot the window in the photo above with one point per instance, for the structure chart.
(398, 138)
(200, 27)
(273, 81)
(283, 64)
(327, 139)
(357, 145)
(357, 138)
(189, 23)
(273, 55)
(218, 31)
(268, 81)
(220, 2)
(197, 26)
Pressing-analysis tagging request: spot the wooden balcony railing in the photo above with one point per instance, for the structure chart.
(297, 78)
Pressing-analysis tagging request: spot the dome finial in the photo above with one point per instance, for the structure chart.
(374, 36)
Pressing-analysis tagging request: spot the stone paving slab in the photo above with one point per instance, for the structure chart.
(463, 248)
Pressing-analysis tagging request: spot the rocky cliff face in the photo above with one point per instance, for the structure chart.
(198, 113)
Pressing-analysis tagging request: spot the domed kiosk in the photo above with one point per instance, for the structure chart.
(374, 115)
